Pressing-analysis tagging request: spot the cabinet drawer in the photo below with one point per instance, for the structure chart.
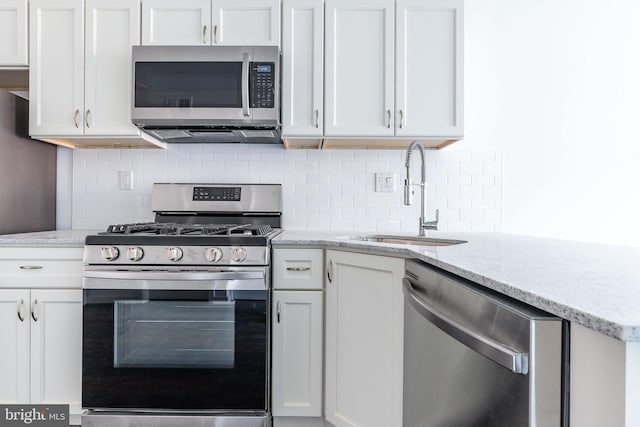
(41, 267)
(298, 268)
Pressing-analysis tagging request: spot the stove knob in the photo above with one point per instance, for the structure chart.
(110, 253)
(238, 254)
(135, 253)
(213, 254)
(174, 254)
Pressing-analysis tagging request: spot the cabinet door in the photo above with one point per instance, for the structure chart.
(297, 353)
(364, 337)
(359, 68)
(429, 68)
(56, 347)
(302, 67)
(14, 351)
(246, 22)
(112, 27)
(13, 33)
(170, 22)
(56, 72)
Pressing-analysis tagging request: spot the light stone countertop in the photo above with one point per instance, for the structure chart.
(597, 286)
(47, 238)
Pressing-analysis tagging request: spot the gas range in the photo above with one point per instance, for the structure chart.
(193, 227)
(181, 244)
(186, 297)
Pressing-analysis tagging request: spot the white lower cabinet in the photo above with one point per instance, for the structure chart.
(297, 353)
(364, 338)
(297, 337)
(41, 329)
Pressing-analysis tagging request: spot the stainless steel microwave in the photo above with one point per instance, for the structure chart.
(207, 93)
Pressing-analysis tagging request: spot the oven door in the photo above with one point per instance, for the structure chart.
(194, 341)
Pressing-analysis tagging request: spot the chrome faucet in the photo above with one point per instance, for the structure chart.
(408, 191)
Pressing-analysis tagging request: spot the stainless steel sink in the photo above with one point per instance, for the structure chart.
(409, 240)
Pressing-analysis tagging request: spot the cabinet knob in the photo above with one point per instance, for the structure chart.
(86, 118)
(317, 118)
(389, 119)
(401, 119)
(75, 117)
(215, 34)
(204, 35)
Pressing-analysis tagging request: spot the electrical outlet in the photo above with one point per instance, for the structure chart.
(126, 180)
(385, 182)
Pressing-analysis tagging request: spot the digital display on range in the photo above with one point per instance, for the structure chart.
(216, 194)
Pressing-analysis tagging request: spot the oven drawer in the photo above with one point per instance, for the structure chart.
(41, 267)
(298, 268)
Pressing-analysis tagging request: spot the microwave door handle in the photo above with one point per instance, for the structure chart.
(245, 84)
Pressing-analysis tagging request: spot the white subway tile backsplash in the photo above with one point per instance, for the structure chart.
(323, 190)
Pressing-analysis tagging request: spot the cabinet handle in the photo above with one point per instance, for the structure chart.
(401, 119)
(389, 119)
(278, 312)
(330, 271)
(86, 117)
(298, 268)
(31, 267)
(204, 34)
(75, 117)
(215, 34)
(317, 119)
(34, 312)
(20, 307)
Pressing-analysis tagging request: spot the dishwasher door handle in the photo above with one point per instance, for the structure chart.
(516, 362)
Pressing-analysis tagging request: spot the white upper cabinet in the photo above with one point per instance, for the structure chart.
(246, 22)
(56, 72)
(429, 68)
(80, 72)
(302, 67)
(170, 22)
(394, 69)
(359, 58)
(206, 22)
(13, 33)
(112, 27)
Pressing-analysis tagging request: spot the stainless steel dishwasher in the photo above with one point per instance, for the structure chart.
(474, 358)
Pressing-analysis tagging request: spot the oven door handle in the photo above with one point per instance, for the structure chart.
(178, 280)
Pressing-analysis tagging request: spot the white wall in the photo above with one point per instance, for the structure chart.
(322, 190)
(555, 85)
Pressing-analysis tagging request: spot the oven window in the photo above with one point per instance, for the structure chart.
(174, 334)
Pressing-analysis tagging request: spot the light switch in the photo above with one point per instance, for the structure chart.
(385, 182)
(126, 180)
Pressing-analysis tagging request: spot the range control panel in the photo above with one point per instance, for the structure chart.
(216, 194)
(262, 85)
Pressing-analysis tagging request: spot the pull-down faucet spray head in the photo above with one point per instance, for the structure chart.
(408, 192)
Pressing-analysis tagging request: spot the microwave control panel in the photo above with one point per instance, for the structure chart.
(262, 77)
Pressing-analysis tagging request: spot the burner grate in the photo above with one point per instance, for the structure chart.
(176, 229)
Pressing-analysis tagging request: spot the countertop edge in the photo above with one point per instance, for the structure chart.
(625, 333)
